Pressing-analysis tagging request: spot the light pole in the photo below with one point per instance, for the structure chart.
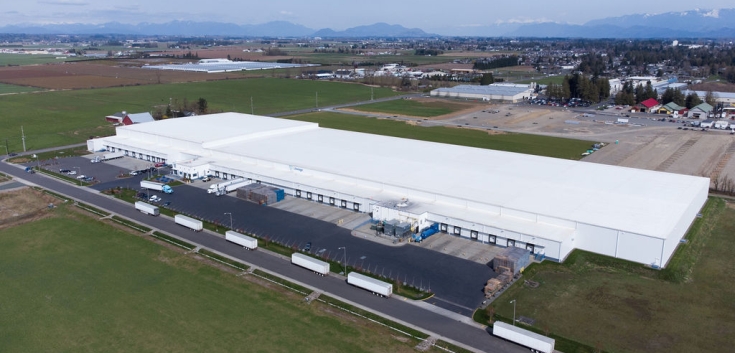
(345, 258)
(78, 175)
(514, 311)
(230, 213)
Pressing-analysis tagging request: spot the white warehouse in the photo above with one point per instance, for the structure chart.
(496, 92)
(547, 205)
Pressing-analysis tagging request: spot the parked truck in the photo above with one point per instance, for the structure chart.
(189, 222)
(383, 289)
(247, 242)
(146, 208)
(310, 263)
(215, 187)
(523, 337)
(113, 155)
(431, 230)
(152, 185)
(234, 186)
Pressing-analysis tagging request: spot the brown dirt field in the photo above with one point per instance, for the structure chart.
(445, 66)
(476, 54)
(86, 75)
(714, 87)
(222, 52)
(23, 205)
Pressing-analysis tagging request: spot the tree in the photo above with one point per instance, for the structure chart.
(487, 79)
(710, 98)
(692, 100)
(202, 106)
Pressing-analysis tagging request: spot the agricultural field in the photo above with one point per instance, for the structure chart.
(7, 59)
(73, 283)
(411, 107)
(100, 74)
(624, 307)
(530, 144)
(66, 117)
(7, 89)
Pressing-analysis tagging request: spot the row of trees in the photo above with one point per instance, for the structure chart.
(591, 89)
(488, 64)
(633, 94)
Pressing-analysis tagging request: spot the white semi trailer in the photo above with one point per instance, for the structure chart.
(216, 187)
(152, 185)
(189, 222)
(383, 289)
(146, 208)
(310, 263)
(234, 186)
(247, 242)
(523, 337)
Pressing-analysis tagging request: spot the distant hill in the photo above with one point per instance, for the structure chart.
(688, 24)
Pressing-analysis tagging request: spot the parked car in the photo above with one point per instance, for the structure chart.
(64, 171)
(167, 203)
(154, 198)
(81, 176)
(72, 172)
(142, 195)
(134, 172)
(307, 248)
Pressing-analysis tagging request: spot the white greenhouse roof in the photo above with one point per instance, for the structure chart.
(502, 90)
(638, 201)
(225, 66)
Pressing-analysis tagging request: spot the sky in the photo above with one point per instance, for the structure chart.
(441, 17)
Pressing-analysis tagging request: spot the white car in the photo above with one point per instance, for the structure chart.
(81, 176)
(154, 198)
(72, 172)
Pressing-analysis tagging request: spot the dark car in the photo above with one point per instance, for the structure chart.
(167, 203)
(12, 154)
(307, 248)
(64, 171)
(142, 195)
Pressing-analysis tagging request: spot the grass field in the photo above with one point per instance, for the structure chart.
(61, 118)
(6, 88)
(521, 143)
(624, 307)
(412, 107)
(25, 59)
(72, 283)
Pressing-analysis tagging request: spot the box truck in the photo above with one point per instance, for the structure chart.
(310, 263)
(383, 289)
(146, 208)
(523, 337)
(188, 222)
(247, 242)
(216, 187)
(152, 185)
(113, 155)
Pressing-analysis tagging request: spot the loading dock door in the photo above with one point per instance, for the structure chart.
(343, 203)
(473, 234)
(491, 239)
(308, 195)
(530, 247)
(511, 242)
(457, 230)
(356, 207)
(331, 201)
(320, 198)
(443, 227)
(298, 193)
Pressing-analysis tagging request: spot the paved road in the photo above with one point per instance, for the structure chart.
(332, 107)
(397, 309)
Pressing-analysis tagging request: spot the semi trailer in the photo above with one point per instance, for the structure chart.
(189, 222)
(310, 263)
(152, 185)
(146, 208)
(383, 289)
(523, 337)
(247, 242)
(216, 187)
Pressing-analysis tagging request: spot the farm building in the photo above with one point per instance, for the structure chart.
(546, 205)
(701, 111)
(497, 92)
(129, 119)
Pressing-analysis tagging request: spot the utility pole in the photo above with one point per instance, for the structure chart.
(23, 137)
(317, 100)
(371, 93)
(252, 110)
(6, 147)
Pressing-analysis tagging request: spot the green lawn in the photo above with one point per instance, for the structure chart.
(624, 307)
(61, 118)
(6, 88)
(412, 107)
(72, 283)
(521, 143)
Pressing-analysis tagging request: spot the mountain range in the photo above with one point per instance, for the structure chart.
(689, 24)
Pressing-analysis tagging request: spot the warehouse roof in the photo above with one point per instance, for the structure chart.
(632, 200)
(503, 90)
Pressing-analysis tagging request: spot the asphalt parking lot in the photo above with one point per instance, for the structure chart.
(457, 283)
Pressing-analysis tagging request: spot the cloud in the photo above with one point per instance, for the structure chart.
(64, 2)
(287, 13)
(524, 20)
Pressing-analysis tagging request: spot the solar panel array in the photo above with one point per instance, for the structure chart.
(226, 66)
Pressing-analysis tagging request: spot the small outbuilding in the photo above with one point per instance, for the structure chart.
(139, 118)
